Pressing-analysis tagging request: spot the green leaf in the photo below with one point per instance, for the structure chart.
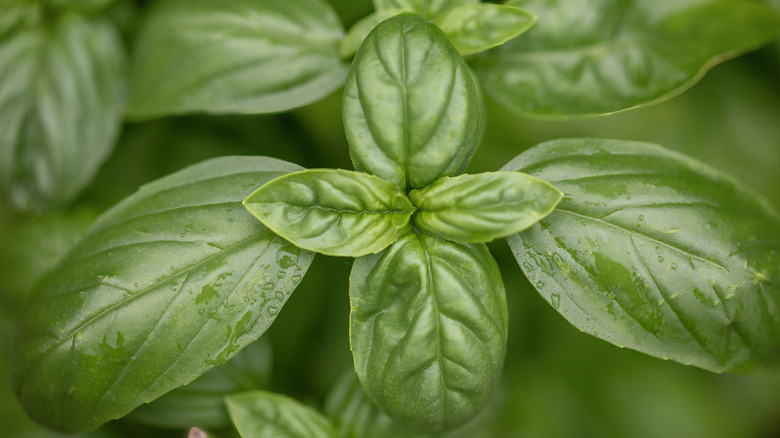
(354, 415)
(332, 211)
(483, 207)
(654, 251)
(259, 414)
(201, 402)
(431, 9)
(80, 5)
(61, 101)
(235, 56)
(476, 27)
(169, 283)
(411, 110)
(428, 327)
(357, 33)
(590, 58)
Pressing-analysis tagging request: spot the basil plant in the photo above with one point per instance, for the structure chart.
(632, 243)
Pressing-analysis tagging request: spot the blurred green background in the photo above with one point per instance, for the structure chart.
(558, 382)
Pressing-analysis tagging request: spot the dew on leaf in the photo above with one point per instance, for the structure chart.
(555, 300)
(660, 259)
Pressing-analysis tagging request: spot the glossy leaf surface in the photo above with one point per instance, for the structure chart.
(476, 27)
(169, 283)
(654, 251)
(259, 414)
(334, 212)
(235, 56)
(427, 8)
(428, 328)
(61, 101)
(483, 207)
(354, 415)
(411, 110)
(591, 58)
(201, 402)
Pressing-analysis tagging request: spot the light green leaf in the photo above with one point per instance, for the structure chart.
(476, 27)
(654, 251)
(259, 414)
(357, 33)
(428, 327)
(201, 402)
(334, 212)
(483, 207)
(411, 110)
(431, 9)
(590, 58)
(354, 415)
(235, 56)
(80, 5)
(169, 283)
(61, 101)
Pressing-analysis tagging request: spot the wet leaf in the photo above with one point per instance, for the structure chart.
(428, 327)
(169, 283)
(654, 251)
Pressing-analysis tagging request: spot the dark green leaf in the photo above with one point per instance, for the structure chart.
(654, 251)
(169, 283)
(61, 100)
(483, 207)
(476, 27)
(428, 328)
(354, 415)
(80, 5)
(261, 414)
(236, 56)
(427, 8)
(411, 110)
(591, 58)
(201, 402)
(334, 212)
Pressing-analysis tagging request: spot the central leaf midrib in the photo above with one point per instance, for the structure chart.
(345, 211)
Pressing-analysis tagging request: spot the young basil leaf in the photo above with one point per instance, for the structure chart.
(654, 251)
(476, 27)
(411, 110)
(354, 415)
(169, 283)
(357, 33)
(61, 101)
(427, 8)
(201, 402)
(578, 63)
(483, 207)
(235, 56)
(332, 211)
(264, 414)
(428, 327)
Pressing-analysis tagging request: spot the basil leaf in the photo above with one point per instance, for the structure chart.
(357, 33)
(235, 56)
(61, 99)
(169, 283)
(411, 110)
(427, 8)
(654, 251)
(428, 327)
(264, 414)
(483, 207)
(334, 212)
(476, 27)
(201, 402)
(354, 415)
(577, 63)
(80, 5)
